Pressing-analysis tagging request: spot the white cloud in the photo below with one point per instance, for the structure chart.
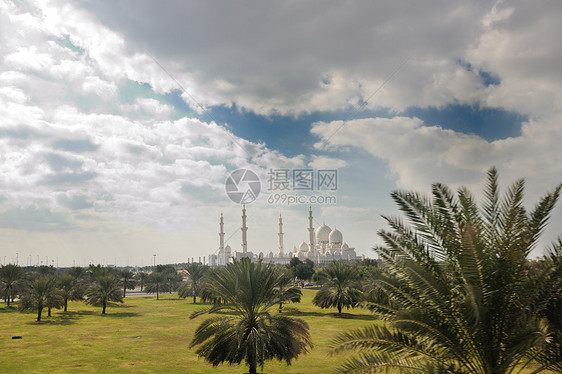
(323, 162)
(419, 154)
(97, 86)
(150, 108)
(72, 149)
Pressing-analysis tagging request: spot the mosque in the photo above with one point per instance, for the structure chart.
(324, 245)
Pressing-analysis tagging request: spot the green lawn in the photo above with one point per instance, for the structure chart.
(145, 335)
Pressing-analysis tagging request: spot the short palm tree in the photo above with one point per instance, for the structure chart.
(141, 277)
(155, 283)
(70, 288)
(12, 281)
(192, 286)
(246, 330)
(341, 287)
(42, 293)
(458, 291)
(287, 291)
(127, 277)
(173, 281)
(103, 290)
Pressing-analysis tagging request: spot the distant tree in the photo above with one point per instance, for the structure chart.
(45, 271)
(294, 262)
(173, 281)
(342, 287)
(96, 271)
(77, 273)
(320, 276)
(70, 289)
(12, 281)
(127, 277)
(103, 290)
(154, 283)
(248, 331)
(165, 269)
(302, 270)
(372, 292)
(141, 277)
(286, 290)
(41, 293)
(207, 293)
(194, 273)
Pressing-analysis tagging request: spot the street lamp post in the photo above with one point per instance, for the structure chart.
(154, 260)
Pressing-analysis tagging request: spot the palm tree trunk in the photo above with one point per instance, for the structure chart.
(9, 298)
(103, 307)
(339, 307)
(49, 312)
(39, 310)
(252, 362)
(124, 290)
(65, 304)
(194, 301)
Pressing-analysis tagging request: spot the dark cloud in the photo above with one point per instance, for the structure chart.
(59, 163)
(75, 145)
(22, 133)
(74, 178)
(34, 218)
(281, 51)
(75, 202)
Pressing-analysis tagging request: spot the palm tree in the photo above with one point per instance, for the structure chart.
(70, 289)
(459, 293)
(141, 276)
(286, 289)
(76, 272)
(12, 281)
(156, 280)
(248, 331)
(42, 293)
(173, 280)
(342, 290)
(192, 286)
(128, 281)
(103, 290)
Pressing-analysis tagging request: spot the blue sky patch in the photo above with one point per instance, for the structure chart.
(489, 123)
(488, 78)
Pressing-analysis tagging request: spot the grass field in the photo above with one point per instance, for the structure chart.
(145, 335)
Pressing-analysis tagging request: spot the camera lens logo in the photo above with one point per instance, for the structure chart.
(243, 186)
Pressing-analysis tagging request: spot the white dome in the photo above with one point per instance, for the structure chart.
(322, 233)
(303, 247)
(294, 249)
(336, 236)
(227, 249)
(344, 246)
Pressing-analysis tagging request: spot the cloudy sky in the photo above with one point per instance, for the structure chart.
(120, 121)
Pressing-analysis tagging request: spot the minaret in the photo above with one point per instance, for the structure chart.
(310, 230)
(281, 254)
(221, 235)
(244, 228)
